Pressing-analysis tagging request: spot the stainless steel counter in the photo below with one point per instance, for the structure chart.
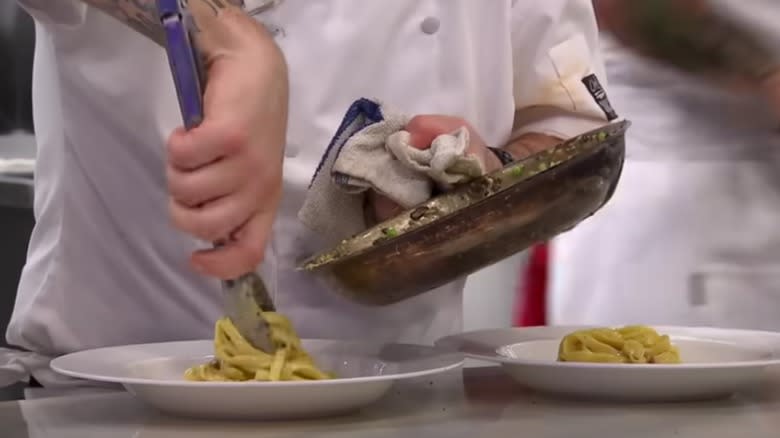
(478, 402)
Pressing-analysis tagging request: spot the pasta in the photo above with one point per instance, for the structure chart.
(632, 344)
(237, 360)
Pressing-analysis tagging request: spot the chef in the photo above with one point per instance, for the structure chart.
(691, 235)
(125, 199)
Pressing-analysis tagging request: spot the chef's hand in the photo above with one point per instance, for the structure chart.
(423, 129)
(225, 175)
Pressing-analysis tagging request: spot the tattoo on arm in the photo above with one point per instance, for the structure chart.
(694, 37)
(141, 15)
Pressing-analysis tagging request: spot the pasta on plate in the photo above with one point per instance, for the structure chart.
(237, 360)
(630, 345)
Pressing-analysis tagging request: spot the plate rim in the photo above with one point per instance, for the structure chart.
(507, 361)
(457, 361)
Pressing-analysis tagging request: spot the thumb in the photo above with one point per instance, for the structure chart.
(423, 129)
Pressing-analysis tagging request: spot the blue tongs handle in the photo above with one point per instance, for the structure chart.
(187, 69)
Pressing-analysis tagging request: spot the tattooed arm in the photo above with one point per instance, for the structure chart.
(141, 15)
(692, 35)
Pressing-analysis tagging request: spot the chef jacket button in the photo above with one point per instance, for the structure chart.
(430, 25)
(291, 151)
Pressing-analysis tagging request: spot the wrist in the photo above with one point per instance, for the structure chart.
(501, 157)
(531, 143)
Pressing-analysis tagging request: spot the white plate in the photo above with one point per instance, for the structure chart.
(154, 374)
(717, 363)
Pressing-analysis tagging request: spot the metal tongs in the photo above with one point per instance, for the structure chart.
(246, 297)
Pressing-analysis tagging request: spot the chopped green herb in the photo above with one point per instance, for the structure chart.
(518, 171)
(390, 232)
(602, 136)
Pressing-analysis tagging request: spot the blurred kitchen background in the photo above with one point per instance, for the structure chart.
(490, 295)
(17, 152)
(17, 148)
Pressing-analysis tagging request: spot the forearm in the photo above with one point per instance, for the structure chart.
(771, 88)
(691, 35)
(141, 15)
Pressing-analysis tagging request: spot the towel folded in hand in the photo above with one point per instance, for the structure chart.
(371, 151)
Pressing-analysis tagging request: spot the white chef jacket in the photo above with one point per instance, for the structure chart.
(105, 266)
(690, 236)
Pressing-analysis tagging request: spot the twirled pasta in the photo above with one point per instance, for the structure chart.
(632, 344)
(237, 360)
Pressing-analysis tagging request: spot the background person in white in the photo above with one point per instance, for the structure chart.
(691, 235)
(107, 265)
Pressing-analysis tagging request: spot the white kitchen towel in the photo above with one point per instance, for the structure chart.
(371, 151)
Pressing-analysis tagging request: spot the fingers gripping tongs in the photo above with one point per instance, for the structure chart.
(246, 297)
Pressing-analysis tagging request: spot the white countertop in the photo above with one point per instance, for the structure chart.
(478, 402)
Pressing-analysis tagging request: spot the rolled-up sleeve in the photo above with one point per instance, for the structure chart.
(60, 12)
(559, 79)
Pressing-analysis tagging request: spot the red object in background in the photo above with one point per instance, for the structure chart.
(531, 299)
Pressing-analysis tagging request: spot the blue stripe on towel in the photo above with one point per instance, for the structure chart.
(362, 113)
